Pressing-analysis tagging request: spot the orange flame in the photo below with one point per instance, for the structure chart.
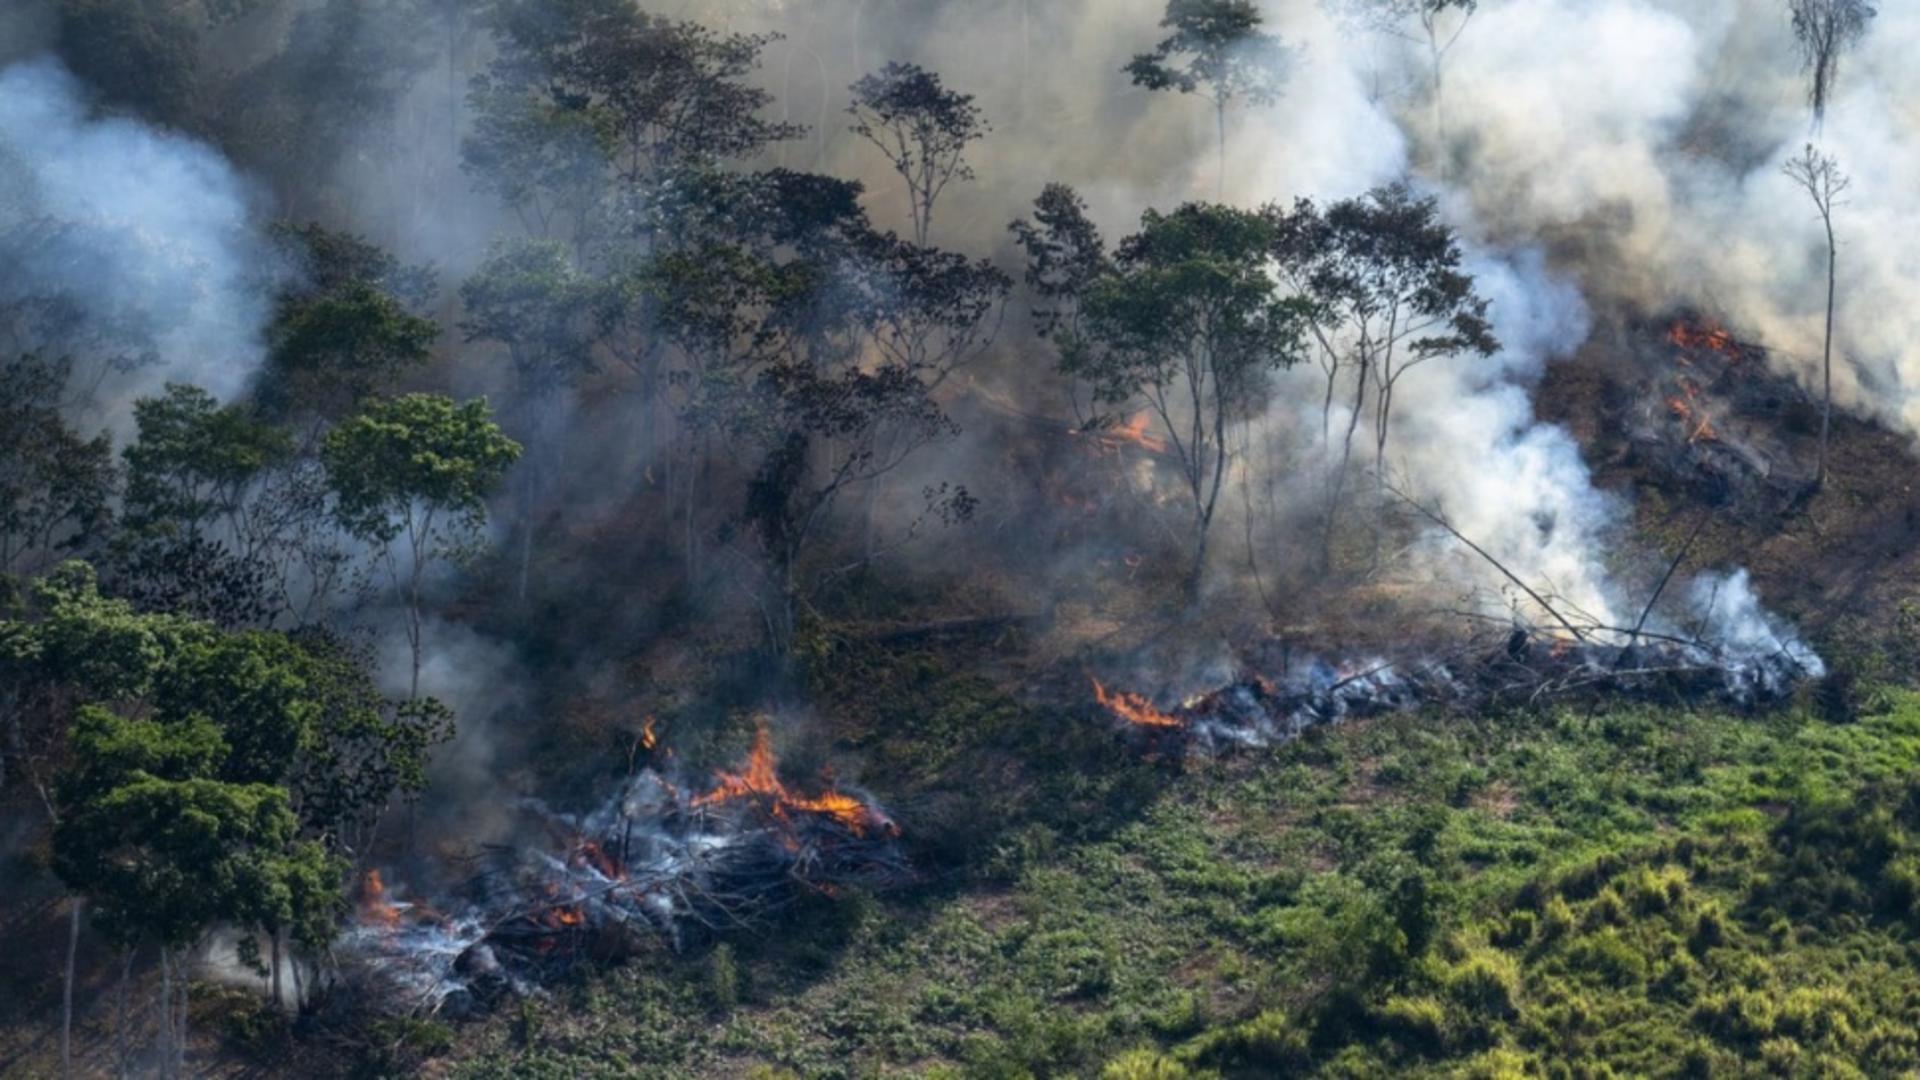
(595, 856)
(1133, 708)
(1685, 408)
(648, 739)
(374, 905)
(1135, 433)
(1703, 337)
(761, 780)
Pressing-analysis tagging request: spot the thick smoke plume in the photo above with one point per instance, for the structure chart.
(130, 251)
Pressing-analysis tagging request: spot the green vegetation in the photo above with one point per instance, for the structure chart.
(1644, 891)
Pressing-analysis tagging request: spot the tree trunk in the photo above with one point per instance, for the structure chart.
(275, 982)
(120, 1011)
(1220, 128)
(1826, 362)
(164, 1028)
(1195, 575)
(299, 984)
(1339, 480)
(66, 993)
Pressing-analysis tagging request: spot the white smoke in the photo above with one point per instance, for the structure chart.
(1565, 115)
(1656, 132)
(129, 250)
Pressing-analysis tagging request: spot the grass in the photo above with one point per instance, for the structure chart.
(1639, 890)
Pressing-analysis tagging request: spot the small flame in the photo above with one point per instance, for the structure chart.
(1133, 708)
(648, 738)
(375, 908)
(1703, 337)
(1134, 433)
(1685, 408)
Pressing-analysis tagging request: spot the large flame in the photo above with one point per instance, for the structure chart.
(761, 780)
(1133, 708)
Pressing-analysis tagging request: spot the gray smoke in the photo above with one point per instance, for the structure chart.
(129, 250)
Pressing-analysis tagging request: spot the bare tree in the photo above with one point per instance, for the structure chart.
(1825, 29)
(1820, 176)
(1441, 23)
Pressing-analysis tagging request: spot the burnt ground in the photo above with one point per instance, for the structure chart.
(1836, 561)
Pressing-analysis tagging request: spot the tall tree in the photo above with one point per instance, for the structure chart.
(1386, 294)
(1825, 29)
(346, 330)
(1217, 50)
(1190, 319)
(198, 532)
(1819, 175)
(1065, 256)
(923, 128)
(601, 78)
(417, 468)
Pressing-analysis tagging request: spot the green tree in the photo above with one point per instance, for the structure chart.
(586, 91)
(333, 352)
(924, 130)
(1190, 319)
(1065, 255)
(163, 850)
(1217, 50)
(139, 55)
(200, 532)
(417, 468)
(342, 68)
(56, 488)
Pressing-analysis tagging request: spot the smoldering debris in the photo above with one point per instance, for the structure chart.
(1525, 666)
(658, 865)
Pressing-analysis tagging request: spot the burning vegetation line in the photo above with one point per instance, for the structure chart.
(1749, 664)
(649, 866)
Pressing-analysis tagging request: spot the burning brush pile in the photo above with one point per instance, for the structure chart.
(1714, 416)
(1527, 667)
(653, 865)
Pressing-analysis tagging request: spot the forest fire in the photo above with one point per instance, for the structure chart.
(652, 864)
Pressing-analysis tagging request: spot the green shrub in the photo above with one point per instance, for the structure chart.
(1268, 1041)
(1418, 1023)
(1486, 982)
(1610, 958)
(722, 978)
(1740, 1017)
(1144, 1065)
(1818, 1015)
(1652, 892)
(1709, 929)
